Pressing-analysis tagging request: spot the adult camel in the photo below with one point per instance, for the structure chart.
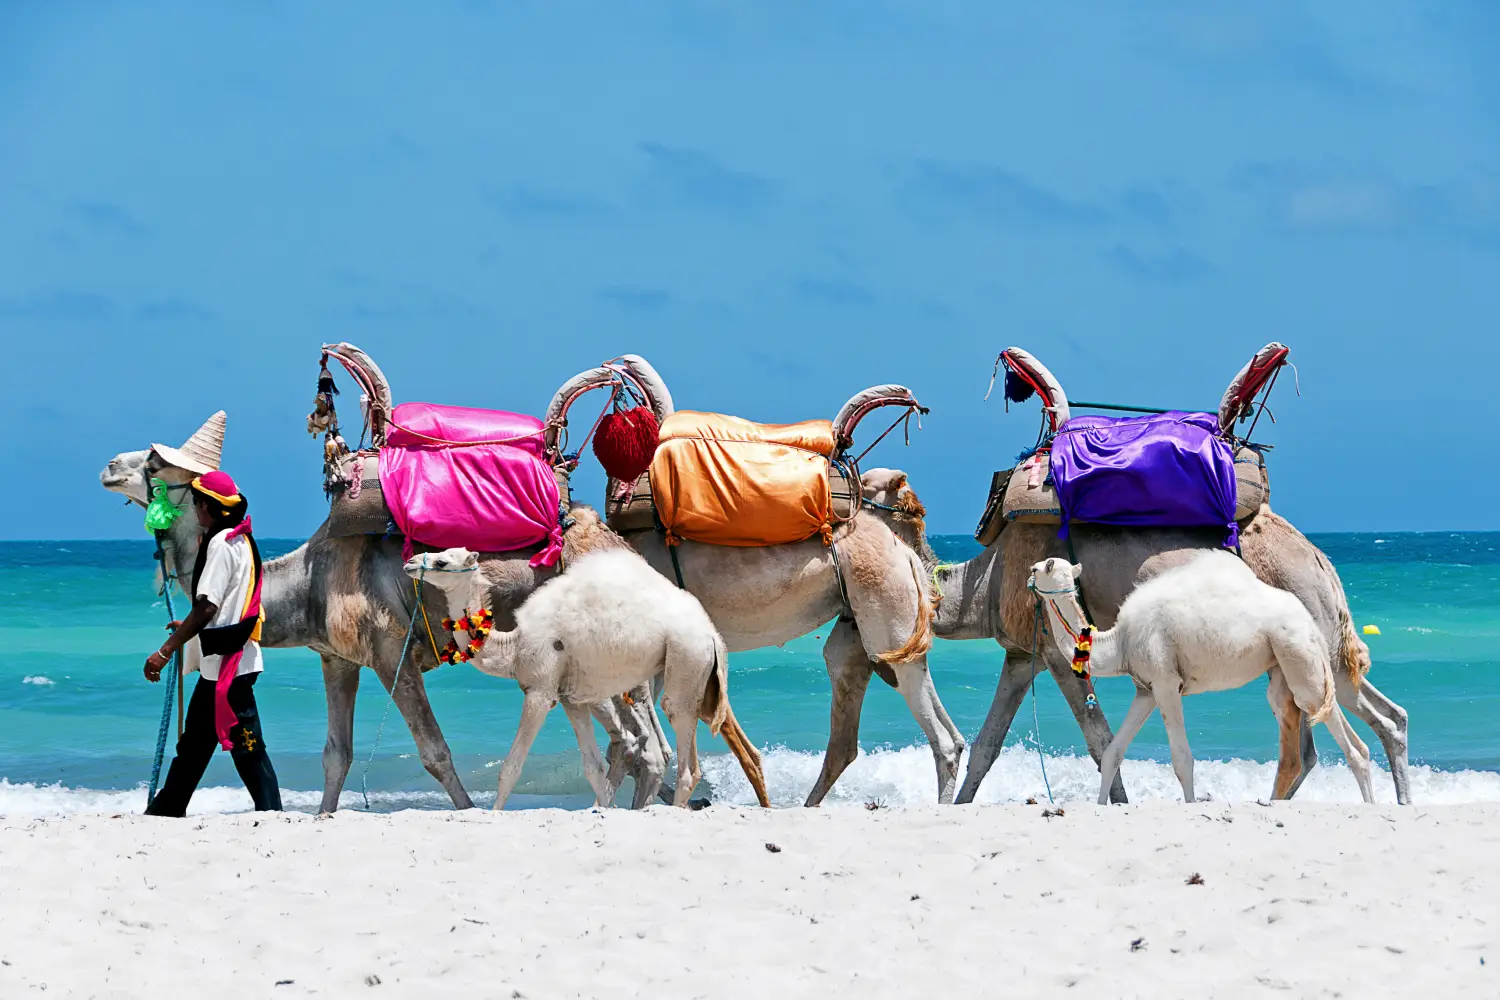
(868, 579)
(986, 597)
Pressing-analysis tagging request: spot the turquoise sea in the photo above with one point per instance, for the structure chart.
(78, 723)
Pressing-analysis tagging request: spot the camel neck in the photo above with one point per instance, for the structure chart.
(1066, 618)
(970, 597)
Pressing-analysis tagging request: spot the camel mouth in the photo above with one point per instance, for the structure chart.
(117, 481)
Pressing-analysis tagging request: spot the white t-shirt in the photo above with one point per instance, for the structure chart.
(228, 573)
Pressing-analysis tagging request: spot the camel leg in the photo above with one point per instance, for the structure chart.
(1091, 721)
(744, 751)
(1355, 751)
(1289, 720)
(622, 749)
(593, 764)
(915, 683)
(1301, 761)
(1169, 701)
(1015, 677)
(665, 792)
(634, 748)
(685, 731)
(849, 670)
(340, 685)
(1109, 766)
(533, 713)
(410, 696)
(1388, 721)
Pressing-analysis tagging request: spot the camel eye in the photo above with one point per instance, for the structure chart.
(557, 644)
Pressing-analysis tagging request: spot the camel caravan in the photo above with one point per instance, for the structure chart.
(452, 537)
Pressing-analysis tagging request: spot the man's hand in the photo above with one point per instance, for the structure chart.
(174, 626)
(155, 664)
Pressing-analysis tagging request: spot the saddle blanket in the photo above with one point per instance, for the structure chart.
(1163, 470)
(728, 481)
(458, 476)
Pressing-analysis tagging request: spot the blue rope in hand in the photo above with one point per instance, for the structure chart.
(1036, 724)
(364, 777)
(174, 672)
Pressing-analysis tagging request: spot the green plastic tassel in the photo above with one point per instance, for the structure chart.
(161, 512)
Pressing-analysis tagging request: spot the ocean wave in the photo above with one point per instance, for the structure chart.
(894, 778)
(38, 680)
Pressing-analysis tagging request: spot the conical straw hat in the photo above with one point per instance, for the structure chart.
(200, 453)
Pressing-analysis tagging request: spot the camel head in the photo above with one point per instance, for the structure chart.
(449, 570)
(587, 533)
(1051, 577)
(126, 475)
(891, 488)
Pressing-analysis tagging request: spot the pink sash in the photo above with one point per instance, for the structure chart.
(229, 664)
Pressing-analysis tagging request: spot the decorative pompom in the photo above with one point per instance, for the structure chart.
(1017, 389)
(626, 442)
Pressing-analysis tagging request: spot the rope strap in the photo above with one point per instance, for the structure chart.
(411, 630)
(173, 676)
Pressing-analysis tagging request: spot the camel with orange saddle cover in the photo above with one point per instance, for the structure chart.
(777, 534)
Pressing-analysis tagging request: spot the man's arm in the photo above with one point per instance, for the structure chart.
(203, 612)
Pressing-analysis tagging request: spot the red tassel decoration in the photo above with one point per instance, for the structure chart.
(626, 441)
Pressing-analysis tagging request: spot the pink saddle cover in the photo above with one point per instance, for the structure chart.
(476, 478)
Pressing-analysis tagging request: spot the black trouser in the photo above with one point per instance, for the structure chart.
(199, 741)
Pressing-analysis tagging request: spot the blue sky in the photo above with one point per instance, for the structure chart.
(777, 203)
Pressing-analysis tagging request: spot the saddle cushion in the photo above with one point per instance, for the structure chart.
(1163, 470)
(727, 481)
(458, 476)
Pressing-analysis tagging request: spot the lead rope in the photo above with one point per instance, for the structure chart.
(1036, 722)
(411, 630)
(172, 677)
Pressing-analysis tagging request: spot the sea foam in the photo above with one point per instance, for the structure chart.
(894, 778)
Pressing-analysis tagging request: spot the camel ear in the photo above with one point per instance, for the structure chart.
(471, 559)
(897, 481)
(1077, 571)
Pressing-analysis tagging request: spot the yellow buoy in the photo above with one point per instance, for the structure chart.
(1372, 630)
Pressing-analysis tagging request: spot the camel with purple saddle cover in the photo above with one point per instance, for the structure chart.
(1029, 491)
(863, 575)
(987, 596)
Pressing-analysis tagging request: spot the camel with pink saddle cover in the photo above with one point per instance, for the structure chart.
(445, 477)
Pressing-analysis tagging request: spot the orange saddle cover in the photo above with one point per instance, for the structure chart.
(728, 481)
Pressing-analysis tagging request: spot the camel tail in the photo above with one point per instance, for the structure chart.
(1353, 654)
(721, 722)
(1329, 704)
(715, 708)
(921, 634)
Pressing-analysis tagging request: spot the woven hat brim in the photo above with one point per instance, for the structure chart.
(181, 459)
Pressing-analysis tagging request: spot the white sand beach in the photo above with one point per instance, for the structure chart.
(1302, 900)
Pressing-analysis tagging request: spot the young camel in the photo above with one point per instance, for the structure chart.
(1206, 625)
(609, 624)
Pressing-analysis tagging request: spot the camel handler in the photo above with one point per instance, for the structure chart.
(226, 620)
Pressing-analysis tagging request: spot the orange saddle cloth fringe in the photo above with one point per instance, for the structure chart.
(728, 481)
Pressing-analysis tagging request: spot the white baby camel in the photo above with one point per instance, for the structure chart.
(606, 625)
(1207, 625)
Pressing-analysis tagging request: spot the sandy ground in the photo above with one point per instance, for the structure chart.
(1295, 901)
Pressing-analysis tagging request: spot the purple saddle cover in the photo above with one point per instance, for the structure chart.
(1166, 470)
